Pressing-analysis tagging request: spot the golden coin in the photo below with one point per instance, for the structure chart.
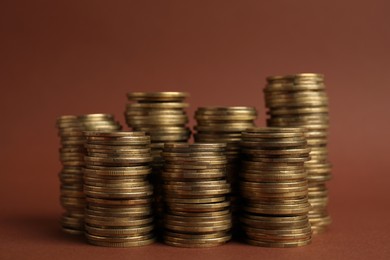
(231, 127)
(280, 159)
(170, 217)
(169, 167)
(117, 221)
(196, 200)
(157, 106)
(197, 193)
(72, 202)
(121, 202)
(118, 231)
(196, 236)
(202, 223)
(285, 222)
(123, 244)
(280, 210)
(195, 242)
(93, 160)
(201, 207)
(137, 212)
(118, 171)
(274, 143)
(250, 193)
(213, 213)
(157, 96)
(194, 229)
(278, 244)
(118, 195)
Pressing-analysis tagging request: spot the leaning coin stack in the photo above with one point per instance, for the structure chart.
(224, 125)
(101, 122)
(72, 157)
(274, 187)
(195, 192)
(72, 198)
(118, 193)
(301, 101)
(162, 115)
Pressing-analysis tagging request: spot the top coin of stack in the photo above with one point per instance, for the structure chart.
(224, 125)
(195, 190)
(118, 194)
(300, 101)
(72, 150)
(274, 187)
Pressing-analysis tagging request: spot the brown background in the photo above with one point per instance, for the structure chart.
(77, 57)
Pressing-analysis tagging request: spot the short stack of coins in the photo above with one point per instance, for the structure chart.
(72, 157)
(70, 130)
(195, 192)
(101, 122)
(224, 125)
(273, 185)
(118, 194)
(162, 115)
(301, 101)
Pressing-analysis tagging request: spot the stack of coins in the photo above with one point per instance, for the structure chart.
(224, 125)
(118, 194)
(70, 130)
(72, 150)
(101, 122)
(301, 101)
(274, 187)
(162, 115)
(195, 189)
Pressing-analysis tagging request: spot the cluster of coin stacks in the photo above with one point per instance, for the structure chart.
(301, 101)
(273, 185)
(162, 115)
(118, 194)
(224, 125)
(195, 192)
(72, 150)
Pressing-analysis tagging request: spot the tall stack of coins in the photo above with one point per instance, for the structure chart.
(118, 194)
(274, 187)
(300, 101)
(72, 198)
(162, 115)
(224, 125)
(72, 157)
(195, 189)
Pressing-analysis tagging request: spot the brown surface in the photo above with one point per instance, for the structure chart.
(75, 57)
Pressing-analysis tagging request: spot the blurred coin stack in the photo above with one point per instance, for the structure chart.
(70, 130)
(118, 194)
(224, 125)
(162, 115)
(72, 150)
(274, 187)
(195, 192)
(301, 101)
(100, 122)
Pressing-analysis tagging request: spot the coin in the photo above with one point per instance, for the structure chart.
(157, 96)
